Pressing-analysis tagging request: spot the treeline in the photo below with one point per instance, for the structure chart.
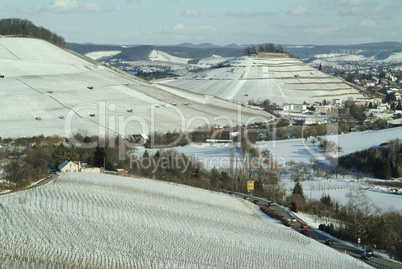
(357, 219)
(28, 160)
(25, 28)
(360, 219)
(382, 162)
(154, 75)
(268, 47)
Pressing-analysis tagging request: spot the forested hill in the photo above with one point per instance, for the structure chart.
(20, 27)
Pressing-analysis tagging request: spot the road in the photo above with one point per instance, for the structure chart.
(376, 261)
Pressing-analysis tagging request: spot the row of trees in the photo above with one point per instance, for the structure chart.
(20, 27)
(380, 162)
(268, 47)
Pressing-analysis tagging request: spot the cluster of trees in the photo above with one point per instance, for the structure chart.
(357, 219)
(268, 47)
(20, 27)
(31, 158)
(380, 162)
(155, 75)
(169, 165)
(28, 159)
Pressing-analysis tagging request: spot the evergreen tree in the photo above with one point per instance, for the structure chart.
(298, 189)
(399, 106)
(387, 170)
(61, 154)
(102, 158)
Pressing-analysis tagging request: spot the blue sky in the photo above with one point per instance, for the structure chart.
(220, 22)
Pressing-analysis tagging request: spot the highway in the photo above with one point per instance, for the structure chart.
(376, 261)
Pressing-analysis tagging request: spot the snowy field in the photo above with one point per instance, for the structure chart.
(160, 56)
(101, 221)
(46, 90)
(98, 55)
(331, 58)
(280, 79)
(300, 150)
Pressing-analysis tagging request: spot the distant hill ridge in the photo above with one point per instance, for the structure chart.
(25, 28)
(141, 52)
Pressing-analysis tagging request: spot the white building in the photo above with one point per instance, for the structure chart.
(295, 108)
(69, 166)
(90, 169)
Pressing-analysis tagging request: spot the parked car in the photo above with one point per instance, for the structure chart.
(329, 242)
(367, 255)
(303, 226)
(255, 201)
(305, 232)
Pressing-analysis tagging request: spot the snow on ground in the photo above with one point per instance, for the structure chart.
(88, 220)
(314, 222)
(51, 85)
(382, 198)
(215, 59)
(299, 150)
(96, 55)
(280, 79)
(160, 56)
(329, 58)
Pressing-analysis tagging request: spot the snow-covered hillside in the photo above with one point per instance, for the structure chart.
(99, 221)
(335, 58)
(280, 79)
(97, 55)
(160, 56)
(47, 90)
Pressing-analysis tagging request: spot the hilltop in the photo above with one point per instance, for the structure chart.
(281, 78)
(60, 90)
(25, 28)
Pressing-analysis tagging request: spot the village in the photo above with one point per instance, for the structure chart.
(383, 103)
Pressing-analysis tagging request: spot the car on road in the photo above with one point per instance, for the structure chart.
(305, 232)
(366, 255)
(255, 201)
(288, 222)
(303, 226)
(329, 242)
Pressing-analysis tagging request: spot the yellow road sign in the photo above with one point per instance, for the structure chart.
(250, 185)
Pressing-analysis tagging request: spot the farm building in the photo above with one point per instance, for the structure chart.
(69, 166)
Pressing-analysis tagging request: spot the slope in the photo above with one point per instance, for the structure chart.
(100, 221)
(280, 79)
(50, 91)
